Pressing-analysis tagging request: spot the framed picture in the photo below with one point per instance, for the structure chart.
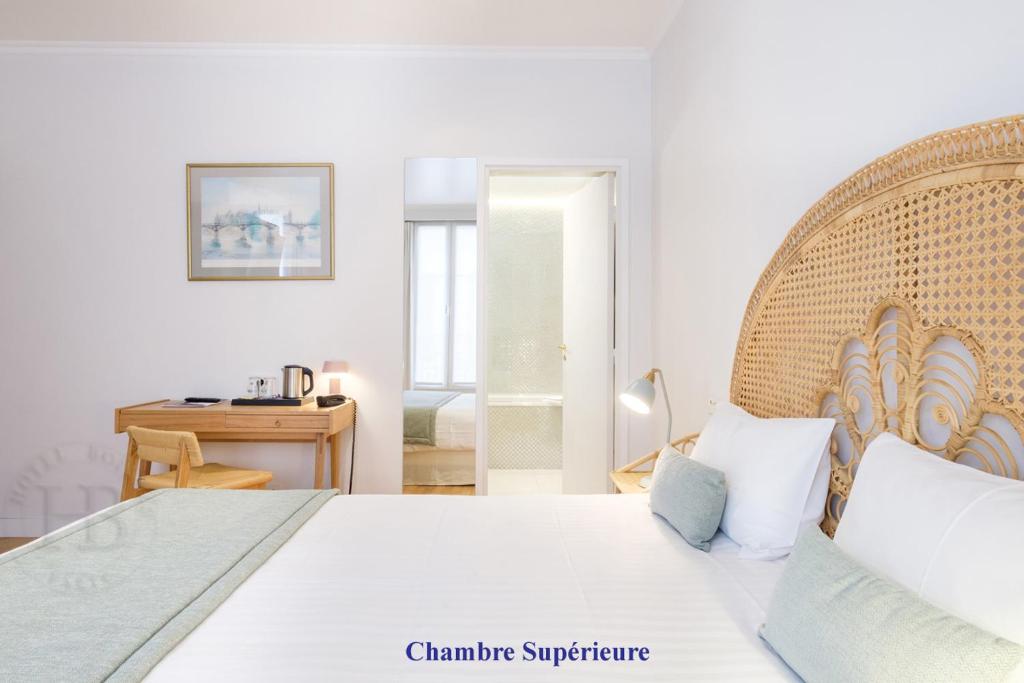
(260, 221)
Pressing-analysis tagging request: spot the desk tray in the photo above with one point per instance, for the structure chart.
(272, 401)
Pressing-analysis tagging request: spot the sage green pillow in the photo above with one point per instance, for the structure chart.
(831, 619)
(688, 495)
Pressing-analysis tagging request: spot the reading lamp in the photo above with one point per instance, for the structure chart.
(639, 397)
(335, 369)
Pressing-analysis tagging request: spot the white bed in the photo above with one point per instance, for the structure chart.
(368, 574)
(452, 461)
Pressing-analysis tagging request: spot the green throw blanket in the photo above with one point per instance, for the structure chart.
(421, 415)
(107, 597)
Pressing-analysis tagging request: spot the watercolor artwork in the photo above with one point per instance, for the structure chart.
(251, 222)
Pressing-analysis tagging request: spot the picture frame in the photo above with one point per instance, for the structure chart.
(260, 221)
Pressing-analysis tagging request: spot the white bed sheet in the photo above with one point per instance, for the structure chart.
(368, 574)
(456, 426)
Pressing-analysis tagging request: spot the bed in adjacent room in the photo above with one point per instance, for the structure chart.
(891, 313)
(439, 438)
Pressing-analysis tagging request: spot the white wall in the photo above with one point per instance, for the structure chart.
(759, 108)
(96, 309)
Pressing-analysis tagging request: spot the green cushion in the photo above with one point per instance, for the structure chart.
(831, 619)
(688, 495)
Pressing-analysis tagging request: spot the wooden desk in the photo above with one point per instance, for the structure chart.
(225, 422)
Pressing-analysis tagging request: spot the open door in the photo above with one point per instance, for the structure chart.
(587, 324)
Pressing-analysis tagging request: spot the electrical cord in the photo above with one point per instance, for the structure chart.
(352, 455)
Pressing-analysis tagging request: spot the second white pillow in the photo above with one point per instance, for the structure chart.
(945, 531)
(776, 476)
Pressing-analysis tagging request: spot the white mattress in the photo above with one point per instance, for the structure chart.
(368, 574)
(456, 426)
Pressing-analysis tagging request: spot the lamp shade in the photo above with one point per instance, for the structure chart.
(639, 396)
(335, 367)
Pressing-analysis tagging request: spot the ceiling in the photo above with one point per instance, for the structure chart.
(397, 23)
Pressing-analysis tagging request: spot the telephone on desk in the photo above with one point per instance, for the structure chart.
(330, 401)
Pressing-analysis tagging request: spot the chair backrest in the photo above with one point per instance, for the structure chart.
(156, 445)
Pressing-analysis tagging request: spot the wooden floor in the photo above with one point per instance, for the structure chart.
(440, 490)
(12, 542)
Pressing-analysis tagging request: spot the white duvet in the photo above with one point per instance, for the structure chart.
(367, 575)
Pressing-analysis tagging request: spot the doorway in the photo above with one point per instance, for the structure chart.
(547, 330)
(439, 359)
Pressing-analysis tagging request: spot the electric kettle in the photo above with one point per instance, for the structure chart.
(293, 384)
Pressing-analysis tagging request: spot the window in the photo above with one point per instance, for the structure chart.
(443, 305)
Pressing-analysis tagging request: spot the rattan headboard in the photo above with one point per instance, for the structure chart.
(897, 303)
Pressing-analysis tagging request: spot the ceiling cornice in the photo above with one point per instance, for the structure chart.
(264, 49)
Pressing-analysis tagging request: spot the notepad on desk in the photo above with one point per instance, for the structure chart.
(187, 404)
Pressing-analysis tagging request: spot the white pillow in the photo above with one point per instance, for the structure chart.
(948, 532)
(776, 476)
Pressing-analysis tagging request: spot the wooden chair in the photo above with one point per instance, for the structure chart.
(180, 451)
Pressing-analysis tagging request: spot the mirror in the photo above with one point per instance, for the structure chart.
(439, 402)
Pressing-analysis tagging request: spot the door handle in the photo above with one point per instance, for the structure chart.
(563, 348)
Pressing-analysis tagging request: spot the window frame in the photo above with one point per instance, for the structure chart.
(450, 276)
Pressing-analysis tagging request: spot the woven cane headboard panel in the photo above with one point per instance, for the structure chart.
(897, 303)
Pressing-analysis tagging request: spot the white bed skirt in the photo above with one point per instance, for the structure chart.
(426, 466)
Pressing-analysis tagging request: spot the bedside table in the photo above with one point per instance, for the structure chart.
(628, 481)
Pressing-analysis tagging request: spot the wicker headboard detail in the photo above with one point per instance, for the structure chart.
(897, 303)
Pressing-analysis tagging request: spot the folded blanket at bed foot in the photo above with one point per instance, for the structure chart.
(420, 415)
(107, 597)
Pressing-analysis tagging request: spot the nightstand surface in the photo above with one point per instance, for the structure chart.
(628, 482)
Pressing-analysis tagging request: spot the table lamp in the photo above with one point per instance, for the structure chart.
(334, 369)
(639, 397)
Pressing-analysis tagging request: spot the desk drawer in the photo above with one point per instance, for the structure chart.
(307, 422)
(173, 421)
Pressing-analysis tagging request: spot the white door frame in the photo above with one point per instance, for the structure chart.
(618, 166)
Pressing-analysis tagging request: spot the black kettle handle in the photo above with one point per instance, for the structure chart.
(306, 372)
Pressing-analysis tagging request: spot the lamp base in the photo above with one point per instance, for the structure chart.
(335, 387)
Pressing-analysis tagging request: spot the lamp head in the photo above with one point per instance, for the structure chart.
(335, 367)
(639, 396)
